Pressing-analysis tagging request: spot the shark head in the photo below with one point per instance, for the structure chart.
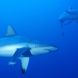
(42, 50)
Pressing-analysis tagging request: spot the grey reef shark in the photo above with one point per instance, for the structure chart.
(68, 16)
(17, 47)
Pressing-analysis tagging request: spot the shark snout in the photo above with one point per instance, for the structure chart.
(42, 50)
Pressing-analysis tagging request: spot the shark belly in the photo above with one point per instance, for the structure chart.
(9, 50)
(7, 53)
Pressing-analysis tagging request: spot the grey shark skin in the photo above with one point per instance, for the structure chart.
(69, 16)
(17, 47)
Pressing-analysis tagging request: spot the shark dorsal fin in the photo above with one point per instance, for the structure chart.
(10, 31)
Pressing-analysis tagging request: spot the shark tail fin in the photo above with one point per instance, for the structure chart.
(10, 31)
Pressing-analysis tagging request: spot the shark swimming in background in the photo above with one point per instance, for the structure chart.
(16, 47)
(68, 16)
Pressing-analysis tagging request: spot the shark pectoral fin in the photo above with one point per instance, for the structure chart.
(24, 63)
(68, 22)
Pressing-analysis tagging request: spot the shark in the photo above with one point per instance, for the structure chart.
(17, 47)
(67, 17)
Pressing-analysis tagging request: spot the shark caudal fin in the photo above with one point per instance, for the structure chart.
(10, 31)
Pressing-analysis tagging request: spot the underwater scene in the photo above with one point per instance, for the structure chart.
(39, 39)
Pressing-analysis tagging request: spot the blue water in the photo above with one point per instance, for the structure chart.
(37, 20)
